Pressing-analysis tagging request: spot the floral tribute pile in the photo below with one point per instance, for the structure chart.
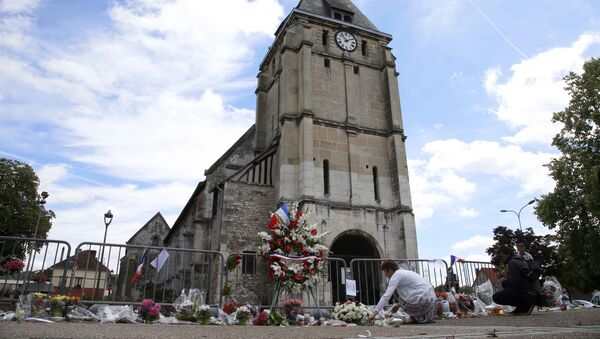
(294, 249)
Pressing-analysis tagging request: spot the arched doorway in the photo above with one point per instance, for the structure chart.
(355, 244)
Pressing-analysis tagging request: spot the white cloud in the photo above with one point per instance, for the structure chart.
(142, 99)
(477, 257)
(535, 90)
(488, 157)
(18, 6)
(137, 98)
(15, 21)
(477, 241)
(467, 212)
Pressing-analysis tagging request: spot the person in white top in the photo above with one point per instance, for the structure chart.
(416, 295)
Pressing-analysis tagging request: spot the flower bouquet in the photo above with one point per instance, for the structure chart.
(243, 315)
(186, 311)
(59, 305)
(233, 261)
(227, 289)
(149, 310)
(262, 318)
(351, 312)
(11, 266)
(291, 309)
(230, 307)
(40, 278)
(203, 314)
(39, 305)
(275, 318)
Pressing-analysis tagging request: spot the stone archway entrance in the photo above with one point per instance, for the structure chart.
(350, 246)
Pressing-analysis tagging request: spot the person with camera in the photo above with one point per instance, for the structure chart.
(521, 287)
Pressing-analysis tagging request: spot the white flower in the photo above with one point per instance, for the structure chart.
(265, 236)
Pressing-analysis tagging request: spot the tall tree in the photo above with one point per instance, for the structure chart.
(573, 208)
(541, 247)
(20, 208)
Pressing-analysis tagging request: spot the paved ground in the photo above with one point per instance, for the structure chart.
(570, 324)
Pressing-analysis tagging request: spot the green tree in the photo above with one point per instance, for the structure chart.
(573, 208)
(541, 247)
(20, 208)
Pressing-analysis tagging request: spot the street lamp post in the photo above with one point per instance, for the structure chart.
(108, 216)
(41, 203)
(518, 214)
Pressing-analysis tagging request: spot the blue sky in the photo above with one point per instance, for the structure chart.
(122, 105)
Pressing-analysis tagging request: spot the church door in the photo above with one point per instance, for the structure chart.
(367, 274)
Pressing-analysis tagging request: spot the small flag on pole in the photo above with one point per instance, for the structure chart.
(140, 266)
(455, 259)
(282, 214)
(159, 261)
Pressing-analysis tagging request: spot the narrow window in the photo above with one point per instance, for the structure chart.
(376, 183)
(337, 16)
(355, 69)
(327, 63)
(155, 240)
(326, 176)
(347, 18)
(215, 202)
(364, 47)
(248, 262)
(325, 37)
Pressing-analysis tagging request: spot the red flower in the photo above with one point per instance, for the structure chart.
(271, 273)
(313, 231)
(298, 277)
(288, 248)
(273, 222)
(298, 214)
(459, 314)
(293, 224)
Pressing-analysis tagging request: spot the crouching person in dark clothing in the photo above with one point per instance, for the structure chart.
(519, 290)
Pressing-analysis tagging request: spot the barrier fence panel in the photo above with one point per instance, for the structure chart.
(371, 282)
(114, 273)
(247, 281)
(473, 276)
(31, 265)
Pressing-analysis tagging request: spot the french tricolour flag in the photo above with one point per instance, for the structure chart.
(140, 266)
(282, 214)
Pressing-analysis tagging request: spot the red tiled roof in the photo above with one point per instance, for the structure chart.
(86, 260)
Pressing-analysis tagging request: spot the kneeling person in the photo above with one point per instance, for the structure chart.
(519, 290)
(416, 295)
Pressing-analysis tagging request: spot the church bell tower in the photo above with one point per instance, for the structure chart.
(328, 109)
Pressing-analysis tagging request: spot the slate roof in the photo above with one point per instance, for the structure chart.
(323, 8)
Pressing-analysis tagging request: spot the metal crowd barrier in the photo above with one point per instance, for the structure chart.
(248, 278)
(371, 282)
(38, 266)
(474, 275)
(121, 274)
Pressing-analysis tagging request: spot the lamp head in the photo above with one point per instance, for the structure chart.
(531, 202)
(108, 216)
(503, 211)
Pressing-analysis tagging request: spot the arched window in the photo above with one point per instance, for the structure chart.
(326, 176)
(375, 184)
(155, 240)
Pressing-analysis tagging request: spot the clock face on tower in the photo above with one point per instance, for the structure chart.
(345, 40)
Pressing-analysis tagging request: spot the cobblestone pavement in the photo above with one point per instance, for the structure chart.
(570, 324)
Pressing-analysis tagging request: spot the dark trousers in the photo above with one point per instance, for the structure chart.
(513, 297)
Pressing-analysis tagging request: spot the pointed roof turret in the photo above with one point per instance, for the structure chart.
(342, 10)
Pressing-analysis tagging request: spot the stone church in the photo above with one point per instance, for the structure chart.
(328, 134)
